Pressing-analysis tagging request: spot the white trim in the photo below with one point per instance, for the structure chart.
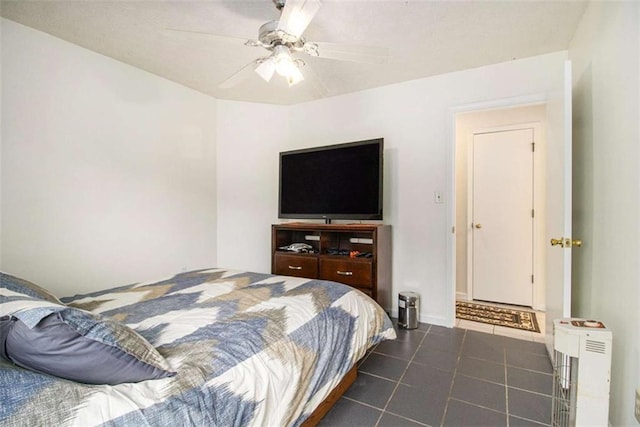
(519, 101)
(450, 250)
(469, 231)
(568, 189)
(425, 318)
(462, 296)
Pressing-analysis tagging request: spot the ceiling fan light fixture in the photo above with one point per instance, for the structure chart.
(282, 58)
(266, 69)
(295, 76)
(286, 66)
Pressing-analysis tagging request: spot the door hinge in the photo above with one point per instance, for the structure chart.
(532, 279)
(533, 147)
(533, 213)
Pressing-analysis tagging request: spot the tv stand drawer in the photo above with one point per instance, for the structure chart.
(296, 265)
(345, 271)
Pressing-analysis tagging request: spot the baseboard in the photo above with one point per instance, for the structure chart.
(435, 320)
(461, 296)
(425, 318)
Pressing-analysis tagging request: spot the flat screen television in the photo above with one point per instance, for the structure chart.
(342, 181)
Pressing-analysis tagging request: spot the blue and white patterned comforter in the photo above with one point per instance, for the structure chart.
(248, 349)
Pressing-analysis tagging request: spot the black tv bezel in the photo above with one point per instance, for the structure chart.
(328, 216)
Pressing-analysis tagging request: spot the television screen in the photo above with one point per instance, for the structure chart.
(342, 181)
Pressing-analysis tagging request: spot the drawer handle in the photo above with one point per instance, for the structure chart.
(293, 267)
(345, 273)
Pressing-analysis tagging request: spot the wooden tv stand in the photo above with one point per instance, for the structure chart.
(330, 258)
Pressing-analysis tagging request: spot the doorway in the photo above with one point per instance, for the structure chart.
(522, 121)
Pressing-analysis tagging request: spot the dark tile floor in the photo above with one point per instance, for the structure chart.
(436, 376)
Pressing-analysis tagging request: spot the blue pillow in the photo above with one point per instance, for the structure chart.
(74, 344)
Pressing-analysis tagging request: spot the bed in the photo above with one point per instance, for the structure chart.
(210, 347)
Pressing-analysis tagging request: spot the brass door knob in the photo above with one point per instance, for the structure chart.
(558, 242)
(565, 242)
(478, 226)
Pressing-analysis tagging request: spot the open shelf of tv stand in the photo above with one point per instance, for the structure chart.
(370, 274)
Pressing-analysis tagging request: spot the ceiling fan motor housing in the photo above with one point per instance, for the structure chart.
(269, 37)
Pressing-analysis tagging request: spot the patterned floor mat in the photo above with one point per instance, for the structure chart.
(510, 318)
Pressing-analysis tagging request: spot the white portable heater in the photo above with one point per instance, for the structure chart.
(582, 372)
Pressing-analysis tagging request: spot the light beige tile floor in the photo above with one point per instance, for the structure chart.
(509, 332)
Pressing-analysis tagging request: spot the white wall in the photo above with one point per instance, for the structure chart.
(605, 53)
(416, 119)
(250, 137)
(108, 172)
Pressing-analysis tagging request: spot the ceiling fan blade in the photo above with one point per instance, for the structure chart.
(296, 16)
(187, 34)
(315, 83)
(239, 76)
(342, 52)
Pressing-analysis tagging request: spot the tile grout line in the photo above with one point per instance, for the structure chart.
(506, 386)
(378, 409)
(453, 379)
(401, 376)
(466, 402)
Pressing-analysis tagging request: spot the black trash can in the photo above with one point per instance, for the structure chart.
(408, 309)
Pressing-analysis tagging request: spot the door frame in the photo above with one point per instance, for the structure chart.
(538, 290)
(520, 101)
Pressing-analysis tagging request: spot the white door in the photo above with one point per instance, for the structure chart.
(558, 201)
(503, 223)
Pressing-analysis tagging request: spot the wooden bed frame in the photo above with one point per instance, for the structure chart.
(331, 400)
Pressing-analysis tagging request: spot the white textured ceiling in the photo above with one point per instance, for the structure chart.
(423, 38)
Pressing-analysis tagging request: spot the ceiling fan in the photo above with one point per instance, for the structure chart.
(283, 38)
